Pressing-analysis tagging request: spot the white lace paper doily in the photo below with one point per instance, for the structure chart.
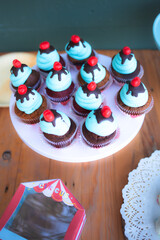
(140, 209)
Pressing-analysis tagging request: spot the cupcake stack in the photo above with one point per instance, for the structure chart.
(78, 80)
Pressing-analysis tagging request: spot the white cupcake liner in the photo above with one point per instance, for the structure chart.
(120, 81)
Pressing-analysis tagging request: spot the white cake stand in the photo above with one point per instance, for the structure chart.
(79, 151)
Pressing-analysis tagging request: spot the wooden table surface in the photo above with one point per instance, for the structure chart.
(97, 185)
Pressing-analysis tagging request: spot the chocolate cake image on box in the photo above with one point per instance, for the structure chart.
(43, 210)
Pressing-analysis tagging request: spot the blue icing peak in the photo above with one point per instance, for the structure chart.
(92, 73)
(21, 76)
(60, 127)
(103, 128)
(30, 102)
(45, 61)
(89, 100)
(138, 99)
(59, 80)
(124, 66)
(79, 51)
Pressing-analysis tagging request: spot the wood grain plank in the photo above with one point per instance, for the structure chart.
(32, 166)
(97, 185)
(11, 144)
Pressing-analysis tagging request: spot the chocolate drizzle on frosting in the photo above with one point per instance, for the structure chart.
(26, 95)
(14, 70)
(72, 44)
(124, 57)
(48, 50)
(54, 72)
(90, 69)
(100, 118)
(135, 90)
(56, 115)
(96, 92)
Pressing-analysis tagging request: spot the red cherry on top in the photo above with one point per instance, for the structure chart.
(91, 86)
(106, 112)
(75, 38)
(48, 115)
(44, 45)
(22, 89)
(136, 82)
(16, 63)
(126, 50)
(57, 66)
(92, 61)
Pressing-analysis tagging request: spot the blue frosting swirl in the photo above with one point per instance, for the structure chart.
(87, 102)
(45, 61)
(62, 125)
(54, 84)
(104, 128)
(21, 76)
(31, 105)
(99, 75)
(79, 52)
(129, 66)
(132, 101)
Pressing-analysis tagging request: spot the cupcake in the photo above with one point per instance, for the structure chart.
(47, 55)
(100, 127)
(78, 50)
(134, 98)
(59, 84)
(22, 74)
(94, 71)
(29, 104)
(57, 128)
(87, 98)
(124, 66)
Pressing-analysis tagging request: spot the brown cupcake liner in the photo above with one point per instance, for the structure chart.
(108, 84)
(65, 143)
(77, 65)
(81, 114)
(32, 118)
(121, 81)
(135, 111)
(38, 85)
(105, 83)
(31, 121)
(77, 112)
(62, 99)
(98, 145)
